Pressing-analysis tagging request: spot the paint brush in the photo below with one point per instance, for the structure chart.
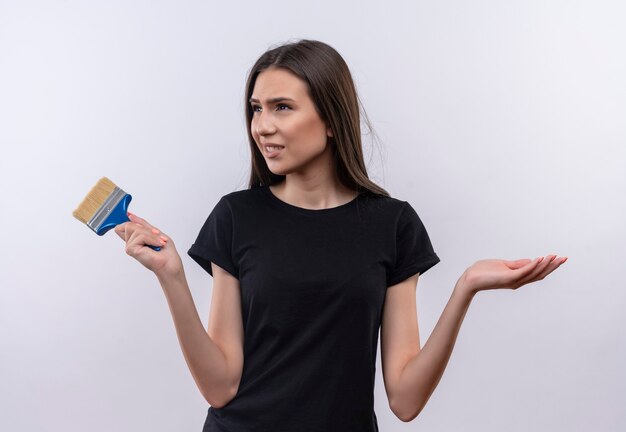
(105, 207)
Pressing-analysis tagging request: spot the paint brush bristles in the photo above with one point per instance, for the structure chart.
(94, 200)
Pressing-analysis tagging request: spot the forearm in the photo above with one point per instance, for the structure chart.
(206, 361)
(423, 372)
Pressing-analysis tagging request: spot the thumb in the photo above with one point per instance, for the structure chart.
(136, 219)
(514, 265)
(120, 230)
(520, 273)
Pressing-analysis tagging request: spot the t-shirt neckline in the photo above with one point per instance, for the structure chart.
(302, 210)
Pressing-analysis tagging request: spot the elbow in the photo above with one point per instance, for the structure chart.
(220, 400)
(404, 411)
(216, 403)
(408, 416)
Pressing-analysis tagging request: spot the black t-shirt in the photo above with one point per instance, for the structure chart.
(313, 283)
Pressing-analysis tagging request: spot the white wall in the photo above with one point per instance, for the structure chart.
(502, 123)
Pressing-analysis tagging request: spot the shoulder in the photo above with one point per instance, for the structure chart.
(242, 205)
(239, 198)
(387, 206)
(242, 195)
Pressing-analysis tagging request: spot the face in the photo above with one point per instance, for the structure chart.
(286, 126)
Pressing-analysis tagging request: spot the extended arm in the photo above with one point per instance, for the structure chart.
(412, 374)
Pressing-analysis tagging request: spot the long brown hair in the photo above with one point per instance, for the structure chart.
(334, 95)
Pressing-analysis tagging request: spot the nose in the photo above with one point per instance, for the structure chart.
(263, 124)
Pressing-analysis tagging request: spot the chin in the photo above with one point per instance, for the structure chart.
(281, 172)
(280, 167)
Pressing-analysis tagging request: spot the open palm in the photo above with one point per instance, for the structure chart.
(495, 273)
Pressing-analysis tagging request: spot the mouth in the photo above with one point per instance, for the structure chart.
(272, 150)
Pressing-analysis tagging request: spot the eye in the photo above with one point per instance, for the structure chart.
(279, 107)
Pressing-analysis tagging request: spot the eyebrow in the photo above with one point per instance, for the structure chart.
(273, 100)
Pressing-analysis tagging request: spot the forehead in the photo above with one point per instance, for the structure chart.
(276, 82)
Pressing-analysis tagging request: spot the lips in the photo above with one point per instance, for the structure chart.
(272, 150)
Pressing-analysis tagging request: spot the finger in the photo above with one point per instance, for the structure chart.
(134, 218)
(138, 246)
(540, 271)
(523, 272)
(144, 237)
(514, 265)
(144, 223)
(553, 265)
(119, 230)
(125, 230)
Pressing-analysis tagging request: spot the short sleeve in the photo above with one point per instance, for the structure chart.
(414, 252)
(215, 241)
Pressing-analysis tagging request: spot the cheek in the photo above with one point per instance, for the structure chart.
(255, 135)
(311, 129)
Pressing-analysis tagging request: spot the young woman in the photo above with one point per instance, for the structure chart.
(308, 263)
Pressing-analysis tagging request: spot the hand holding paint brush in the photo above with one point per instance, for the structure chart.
(138, 233)
(106, 207)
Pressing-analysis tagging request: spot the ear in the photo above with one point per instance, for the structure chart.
(329, 132)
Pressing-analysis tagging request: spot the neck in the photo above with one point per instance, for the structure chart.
(313, 192)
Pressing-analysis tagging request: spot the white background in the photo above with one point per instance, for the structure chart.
(502, 122)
